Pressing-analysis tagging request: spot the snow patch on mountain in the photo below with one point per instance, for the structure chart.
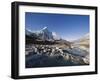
(44, 34)
(44, 28)
(28, 32)
(55, 36)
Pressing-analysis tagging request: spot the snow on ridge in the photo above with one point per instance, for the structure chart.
(44, 34)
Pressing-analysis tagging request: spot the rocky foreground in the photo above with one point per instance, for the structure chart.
(54, 55)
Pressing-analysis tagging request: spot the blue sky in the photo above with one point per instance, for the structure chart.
(67, 26)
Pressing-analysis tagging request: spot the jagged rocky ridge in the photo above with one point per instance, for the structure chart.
(54, 52)
(43, 34)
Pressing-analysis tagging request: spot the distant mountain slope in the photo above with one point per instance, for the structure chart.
(82, 39)
(83, 42)
(28, 32)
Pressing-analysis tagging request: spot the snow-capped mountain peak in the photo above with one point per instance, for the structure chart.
(55, 36)
(44, 28)
(44, 34)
